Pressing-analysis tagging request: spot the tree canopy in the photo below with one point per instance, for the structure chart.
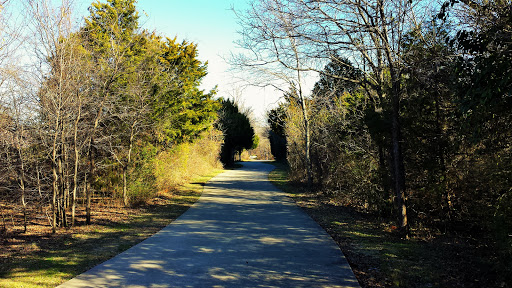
(111, 98)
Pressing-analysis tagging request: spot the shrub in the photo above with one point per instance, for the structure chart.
(187, 160)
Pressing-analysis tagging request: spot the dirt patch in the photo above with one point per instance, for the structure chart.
(39, 258)
(380, 258)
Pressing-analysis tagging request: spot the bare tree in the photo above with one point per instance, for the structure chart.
(369, 33)
(16, 104)
(275, 56)
(63, 83)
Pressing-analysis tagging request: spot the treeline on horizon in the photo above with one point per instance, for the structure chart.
(409, 119)
(104, 111)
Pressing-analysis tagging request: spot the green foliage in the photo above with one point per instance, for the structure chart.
(115, 17)
(176, 166)
(147, 71)
(255, 141)
(111, 31)
(181, 110)
(338, 76)
(430, 121)
(156, 170)
(455, 129)
(485, 71)
(141, 179)
(237, 130)
(346, 131)
(149, 87)
(276, 119)
(131, 97)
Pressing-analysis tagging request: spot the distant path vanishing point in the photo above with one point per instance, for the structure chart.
(242, 232)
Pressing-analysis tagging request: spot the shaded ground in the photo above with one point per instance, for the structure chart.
(243, 232)
(379, 258)
(41, 259)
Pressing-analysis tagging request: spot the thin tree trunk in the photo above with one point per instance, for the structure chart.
(441, 155)
(88, 190)
(88, 204)
(63, 187)
(92, 166)
(22, 184)
(65, 175)
(60, 195)
(307, 143)
(4, 224)
(384, 173)
(125, 165)
(75, 185)
(23, 192)
(39, 182)
(23, 202)
(77, 161)
(398, 164)
(307, 139)
(55, 179)
(55, 189)
(396, 149)
(125, 196)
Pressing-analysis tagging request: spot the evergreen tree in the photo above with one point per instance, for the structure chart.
(180, 110)
(277, 121)
(237, 129)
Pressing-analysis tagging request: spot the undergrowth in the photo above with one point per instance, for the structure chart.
(41, 259)
(380, 258)
(175, 166)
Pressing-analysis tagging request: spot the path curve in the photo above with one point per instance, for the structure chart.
(242, 232)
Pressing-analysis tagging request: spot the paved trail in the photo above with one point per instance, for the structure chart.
(243, 232)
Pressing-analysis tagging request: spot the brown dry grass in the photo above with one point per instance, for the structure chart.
(380, 258)
(39, 258)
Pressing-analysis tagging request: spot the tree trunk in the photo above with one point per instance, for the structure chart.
(88, 191)
(125, 165)
(55, 184)
(39, 182)
(77, 161)
(303, 106)
(23, 202)
(88, 203)
(54, 194)
(307, 143)
(75, 186)
(398, 162)
(441, 154)
(63, 189)
(125, 195)
(396, 147)
(92, 155)
(21, 176)
(60, 193)
(384, 173)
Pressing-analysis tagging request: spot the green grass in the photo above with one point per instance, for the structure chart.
(380, 258)
(58, 258)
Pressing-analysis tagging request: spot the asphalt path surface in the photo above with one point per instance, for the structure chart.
(242, 232)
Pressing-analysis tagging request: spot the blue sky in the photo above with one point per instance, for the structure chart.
(212, 25)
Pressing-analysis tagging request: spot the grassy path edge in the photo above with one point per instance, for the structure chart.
(48, 260)
(379, 257)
